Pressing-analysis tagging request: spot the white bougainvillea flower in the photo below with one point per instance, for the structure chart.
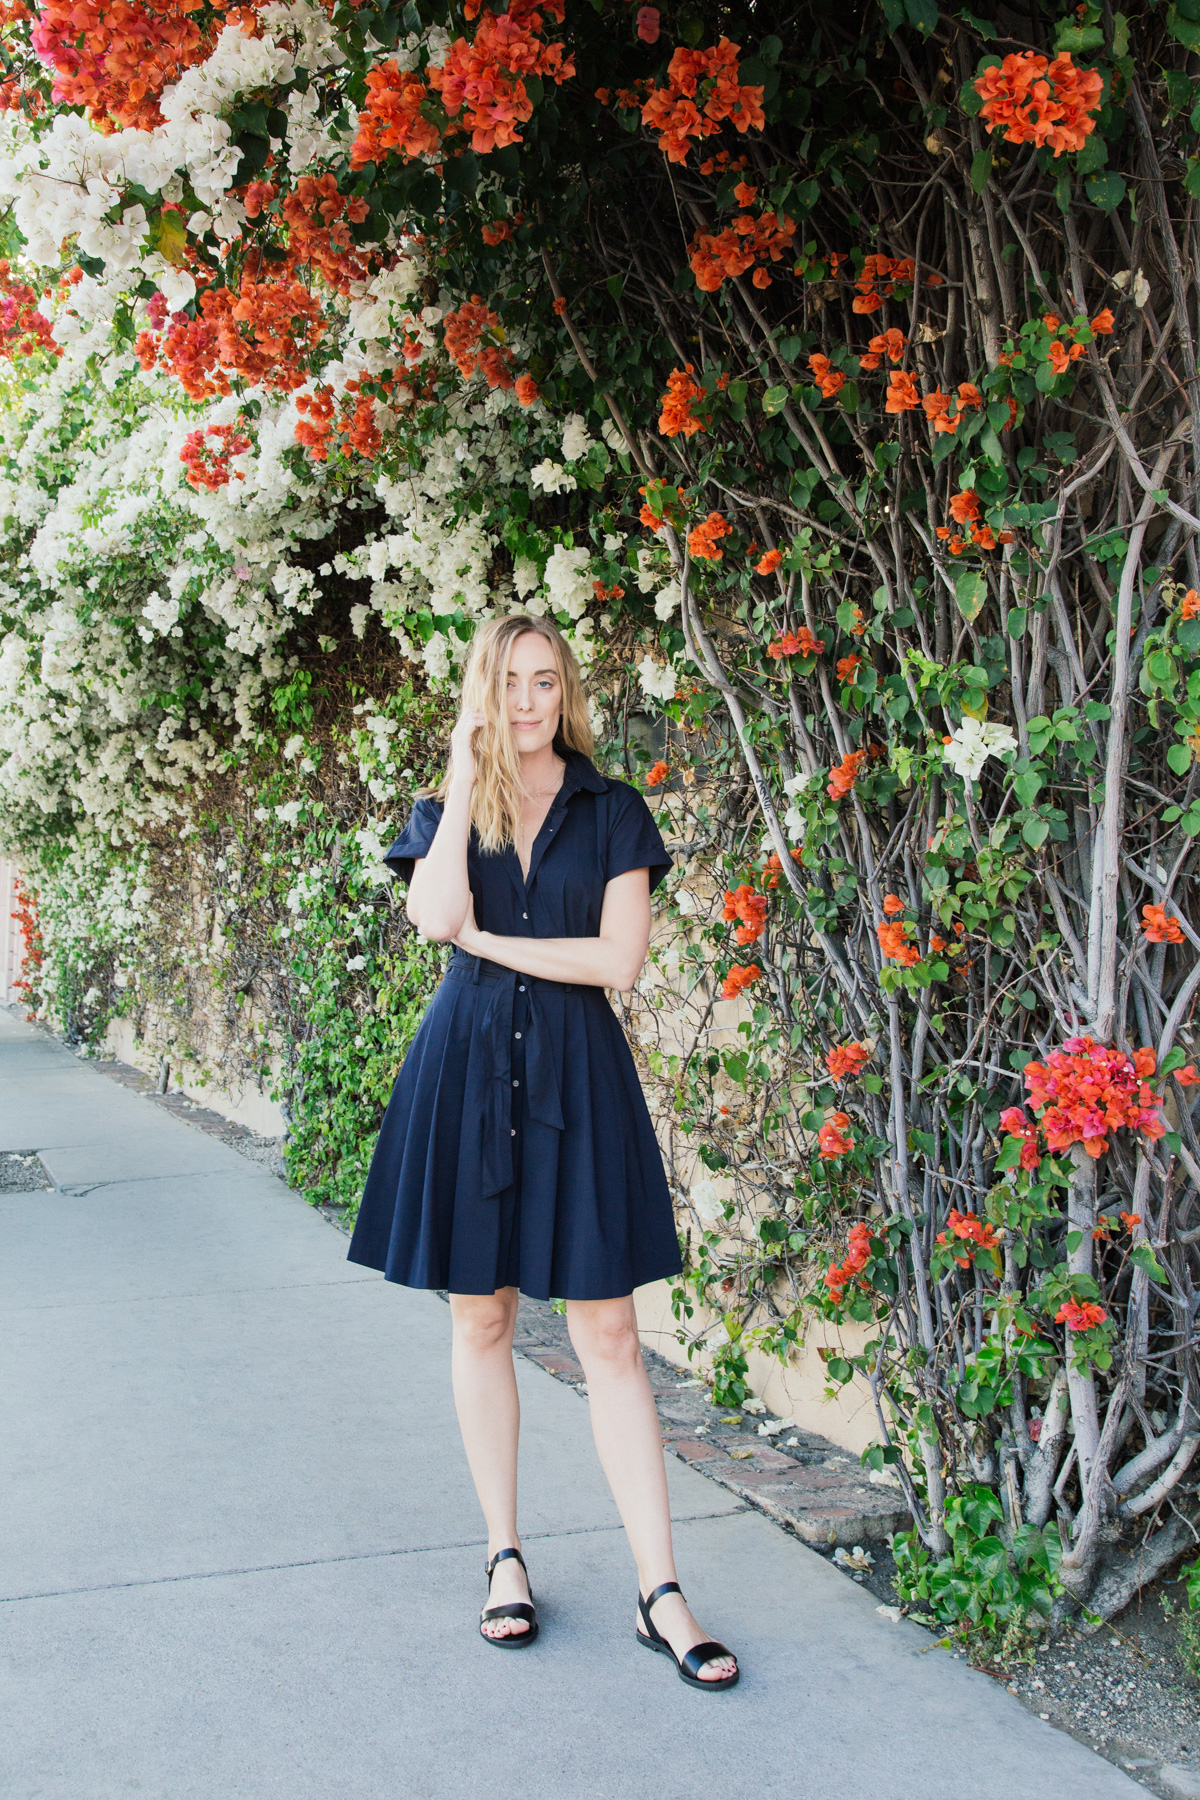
(576, 438)
(657, 681)
(973, 742)
(552, 478)
(703, 1196)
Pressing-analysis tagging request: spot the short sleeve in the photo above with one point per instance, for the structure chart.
(634, 840)
(416, 838)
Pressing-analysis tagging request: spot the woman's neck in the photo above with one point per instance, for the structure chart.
(539, 769)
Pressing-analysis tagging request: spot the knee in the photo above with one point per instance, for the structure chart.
(606, 1338)
(482, 1322)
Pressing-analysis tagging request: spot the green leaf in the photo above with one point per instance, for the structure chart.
(838, 1369)
(1035, 832)
(774, 400)
(1017, 619)
(1093, 156)
(770, 50)
(971, 591)
(1143, 1257)
(969, 97)
(1105, 191)
(1191, 180)
(981, 169)
(1180, 758)
(1078, 38)
(923, 15)
(1182, 28)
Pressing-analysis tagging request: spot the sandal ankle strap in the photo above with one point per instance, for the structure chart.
(665, 1587)
(500, 1557)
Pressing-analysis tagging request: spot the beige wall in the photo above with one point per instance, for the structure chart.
(11, 946)
(796, 1392)
(246, 1106)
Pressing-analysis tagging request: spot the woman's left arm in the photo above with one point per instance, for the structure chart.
(613, 959)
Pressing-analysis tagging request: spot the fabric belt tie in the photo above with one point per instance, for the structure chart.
(543, 1092)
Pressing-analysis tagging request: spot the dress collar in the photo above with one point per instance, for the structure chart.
(581, 772)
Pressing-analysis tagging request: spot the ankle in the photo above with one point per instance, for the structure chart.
(648, 1583)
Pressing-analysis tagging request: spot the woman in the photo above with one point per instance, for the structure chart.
(517, 1152)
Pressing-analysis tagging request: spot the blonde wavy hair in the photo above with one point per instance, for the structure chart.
(496, 799)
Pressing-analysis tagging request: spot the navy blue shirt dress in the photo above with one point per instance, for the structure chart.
(517, 1148)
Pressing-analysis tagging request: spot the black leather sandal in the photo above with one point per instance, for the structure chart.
(694, 1659)
(516, 1609)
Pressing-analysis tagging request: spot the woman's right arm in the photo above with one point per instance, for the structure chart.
(439, 893)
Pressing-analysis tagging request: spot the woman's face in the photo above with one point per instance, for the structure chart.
(534, 692)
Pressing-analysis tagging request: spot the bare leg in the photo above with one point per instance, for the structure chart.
(629, 1440)
(489, 1417)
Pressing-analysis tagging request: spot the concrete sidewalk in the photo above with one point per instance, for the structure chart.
(241, 1555)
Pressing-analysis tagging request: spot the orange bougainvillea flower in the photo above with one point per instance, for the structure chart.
(965, 506)
(677, 418)
(702, 541)
(1103, 323)
(893, 941)
(971, 1230)
(829, 380)
(1034, 101)
(714, 257)
(702, 95)
(1080, 1315)
(833, 1138)
(773, 868)
(846, 667)
(859, 1249)
(1189, 606)
(751, 908)
(738, 979)
(769, 562)
(902, 395)
(526, 389)
(657, 775)
(889, 343)
(892, 904)
(1088, 1091)
(1063, 355)
(845, 1061)
(842, 779)
(1187, 1076)
(1159, 928)
(801, 643)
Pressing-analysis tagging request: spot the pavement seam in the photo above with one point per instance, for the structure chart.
(320, 1562)
(291, 1287)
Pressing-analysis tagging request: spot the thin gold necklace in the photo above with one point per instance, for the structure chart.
(547, 793)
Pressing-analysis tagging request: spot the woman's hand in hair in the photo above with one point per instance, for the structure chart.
(462, 745)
